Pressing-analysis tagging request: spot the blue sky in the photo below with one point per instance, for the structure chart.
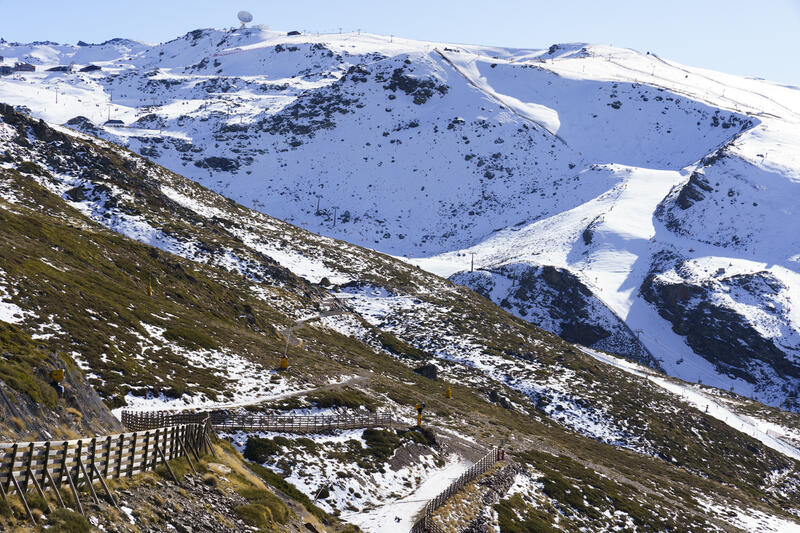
(746, 37)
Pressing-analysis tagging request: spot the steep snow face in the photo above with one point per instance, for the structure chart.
(620, 169)
(322, 130)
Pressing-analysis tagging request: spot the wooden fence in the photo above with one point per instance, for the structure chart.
(426, 523)
(50, 465)
(302, 424)
(139, 421)
(144, 420)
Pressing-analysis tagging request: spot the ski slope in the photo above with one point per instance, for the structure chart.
(704, 402)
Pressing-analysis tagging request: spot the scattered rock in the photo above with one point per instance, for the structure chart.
(428, 371)
(219, 468)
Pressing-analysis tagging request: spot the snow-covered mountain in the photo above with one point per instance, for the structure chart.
(615, 198)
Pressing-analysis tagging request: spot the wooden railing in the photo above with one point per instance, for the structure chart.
(302, 424)
(289, 423)
(426, 523)
(47, 466)
(144, 420)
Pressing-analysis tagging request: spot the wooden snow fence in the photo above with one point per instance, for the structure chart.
(222, 420)
(82, 463)
(144, 420)
(426, 523)
(300, 424)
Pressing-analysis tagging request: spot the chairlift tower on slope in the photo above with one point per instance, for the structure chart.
(244, 17)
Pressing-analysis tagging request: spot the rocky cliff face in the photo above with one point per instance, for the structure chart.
(76, 412)
(738, 322)
(558, 301)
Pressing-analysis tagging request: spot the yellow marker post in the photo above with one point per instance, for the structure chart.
(448, 393)
(420, 407)
(57, 375)
(149, 289)
(284, 362)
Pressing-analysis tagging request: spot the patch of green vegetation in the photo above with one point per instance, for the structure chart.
(68, 521)
(278, 510)
(259, 449)
(275, 480)
(284, 404)
(401, 348)
(108, 274)
(381, 443)
(21, 366)
(255, 515)
(582, 493)
(307, 443)
(515, 516)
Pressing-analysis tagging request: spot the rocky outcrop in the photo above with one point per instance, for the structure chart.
(557, 301)
(727, 321)
(693, 190)
(78, 411)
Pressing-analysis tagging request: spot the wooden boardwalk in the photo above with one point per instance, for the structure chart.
(222, 420)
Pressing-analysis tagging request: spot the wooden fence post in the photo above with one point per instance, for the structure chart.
(31, 477)
(119, 455)
(133, 454)
(21, 494)
(75, 495)
(82, 469)
(108, 456)
(11, 467)
(146, 459)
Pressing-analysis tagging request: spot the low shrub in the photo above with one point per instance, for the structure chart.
(259, 450)
(255, 515)
(347, 398)
(381, 444)
(278, 510)
(67, 521)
